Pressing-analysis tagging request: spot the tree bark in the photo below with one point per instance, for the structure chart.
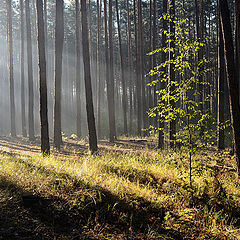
(141, 68)
(59, 37)
(122, 72)
(231, 75)
(111, 75)
(171, 70)
(30, 74)
(87, 77)
(10, 67)
(78, 68)
(45, 147)
(237, 39)
(138, 73)
(99, 79)
(163, 84)
(154, 46)
(221, 81)
(24, 131)
(130, 68)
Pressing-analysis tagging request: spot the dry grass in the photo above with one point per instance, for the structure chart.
(123, 193)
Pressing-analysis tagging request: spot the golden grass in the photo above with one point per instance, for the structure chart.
(159, 179)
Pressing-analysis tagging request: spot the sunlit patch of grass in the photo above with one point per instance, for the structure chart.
(142, 180)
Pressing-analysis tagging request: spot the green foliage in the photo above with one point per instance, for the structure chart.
(196, 125)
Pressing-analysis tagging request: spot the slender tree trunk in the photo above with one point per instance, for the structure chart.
(46, 33)
(24, 131)
(130, 68)
(45, 147)
(111, 74)
(10, 66)
(221, 67)
(99, 79)
(109, 78)
(231, 76)
(163, 84)
(78, 73)
(59, 37)
(87, 78)
(94, 79)
(138, 73)
(30, 74)
(141, 68)
(197, 18)
(154, 62)
(171, 70)
(122, 72)
(237, 39)
(151, 65)
(200, 56)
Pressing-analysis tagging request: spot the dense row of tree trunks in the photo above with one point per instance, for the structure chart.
(23, 112)
(45, 146)
(130, 89)
(59, 37)
(231, 75)
(87, 79)
(30, 74)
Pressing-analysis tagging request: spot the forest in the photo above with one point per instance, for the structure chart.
(119, 119)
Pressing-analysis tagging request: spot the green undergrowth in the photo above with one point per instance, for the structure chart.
(121, 195)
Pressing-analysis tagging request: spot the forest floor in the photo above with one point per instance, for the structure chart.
(129, 190)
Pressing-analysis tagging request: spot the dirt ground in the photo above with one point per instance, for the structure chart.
(70, 146)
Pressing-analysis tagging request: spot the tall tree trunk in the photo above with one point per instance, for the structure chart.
(87, 78)
(197, 18)
(111, 75)
(109, 78)
(94, 80)
(171, 70)
(59, 37)
(221, 82)
(45, 147)
(151, 65)
(130, 68)
(154, 46)
(24, 131)
(46, 29)
(78, 68)
(30, 74)
(200, 56)
(163, 84)
(10, 66)
(231, 76)
(141, 68)
(122, 72)
(46, 34)
(138, 73)
(237, 39)
(99, 79)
